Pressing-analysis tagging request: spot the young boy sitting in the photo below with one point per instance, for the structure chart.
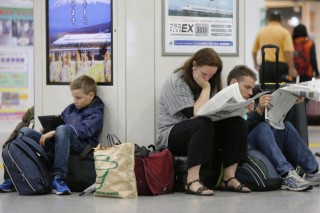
(83, 124)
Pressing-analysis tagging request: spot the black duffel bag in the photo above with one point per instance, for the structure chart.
(209, 175)
(81, 170)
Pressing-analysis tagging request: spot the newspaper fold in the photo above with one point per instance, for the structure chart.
(285, 97)
(226, 103)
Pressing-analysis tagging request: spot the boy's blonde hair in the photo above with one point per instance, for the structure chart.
(84, 83)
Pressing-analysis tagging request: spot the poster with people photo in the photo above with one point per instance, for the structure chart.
(16, 26)
(79, 40)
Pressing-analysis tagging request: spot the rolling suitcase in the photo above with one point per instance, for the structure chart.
(268, 86)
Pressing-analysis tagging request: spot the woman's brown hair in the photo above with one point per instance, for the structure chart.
(205, 56)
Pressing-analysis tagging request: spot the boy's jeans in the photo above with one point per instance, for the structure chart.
(282, 147)
(64, 142)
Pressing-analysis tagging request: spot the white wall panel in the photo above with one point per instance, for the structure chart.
(253, 20)
(140, 100)
(140, 71)
(140, 28)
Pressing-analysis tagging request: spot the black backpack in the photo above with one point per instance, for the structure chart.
(258, 173)
(28, 166)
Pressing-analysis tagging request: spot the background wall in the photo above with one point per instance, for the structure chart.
(139, 67)
(310, 17)
(16, 81)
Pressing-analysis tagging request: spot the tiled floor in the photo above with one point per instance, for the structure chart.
(262, 202)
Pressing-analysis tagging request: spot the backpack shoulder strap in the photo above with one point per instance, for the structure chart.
(35, 147)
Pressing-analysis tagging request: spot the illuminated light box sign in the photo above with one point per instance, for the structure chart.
(79, 41)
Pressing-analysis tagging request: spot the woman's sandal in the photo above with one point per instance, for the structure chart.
(226, 187)
(200, 189)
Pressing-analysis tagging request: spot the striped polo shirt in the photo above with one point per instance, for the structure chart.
(175, 96)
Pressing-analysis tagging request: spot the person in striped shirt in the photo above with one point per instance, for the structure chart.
(206, 144)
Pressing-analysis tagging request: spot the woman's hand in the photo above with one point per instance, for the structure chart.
(45, 137)
(199, 80)
(205, 90)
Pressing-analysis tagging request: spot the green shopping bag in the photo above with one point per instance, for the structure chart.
(115, 171)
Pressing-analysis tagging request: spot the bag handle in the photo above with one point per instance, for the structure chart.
(112, 139)
(267, 46)
(142, 151)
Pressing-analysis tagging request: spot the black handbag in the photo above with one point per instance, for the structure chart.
(209, 175)
(81, 170)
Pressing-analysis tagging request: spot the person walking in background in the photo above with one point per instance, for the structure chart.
(305, 59)
(275, 33)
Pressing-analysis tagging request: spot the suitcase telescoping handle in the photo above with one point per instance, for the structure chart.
(269, 46)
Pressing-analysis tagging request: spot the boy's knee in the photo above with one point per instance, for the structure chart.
(62, 129)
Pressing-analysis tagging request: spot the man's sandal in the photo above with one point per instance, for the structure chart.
(200, 190)
(226, 187)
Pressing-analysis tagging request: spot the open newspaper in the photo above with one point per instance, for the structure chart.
(229, 102)
(226, 103)
(285, 97)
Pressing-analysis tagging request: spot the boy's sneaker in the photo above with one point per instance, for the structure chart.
(60, 187)
(7, 186)
(294, 182)
(314, 179)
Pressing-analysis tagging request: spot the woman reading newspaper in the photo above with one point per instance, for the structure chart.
(200, 138)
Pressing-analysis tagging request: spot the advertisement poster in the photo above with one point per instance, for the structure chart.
(16, 26)
(16, 62)
(194, 24)
(79, 40)
(13, 69)
(13, 103)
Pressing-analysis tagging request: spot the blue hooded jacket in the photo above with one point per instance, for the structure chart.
(87, 122)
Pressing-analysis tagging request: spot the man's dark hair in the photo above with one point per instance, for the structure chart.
(240, 71)
(275, 15)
